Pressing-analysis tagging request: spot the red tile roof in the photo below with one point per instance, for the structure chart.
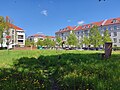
(68, 28)
(110, 21)
(15, 27)
(77, 28)
(42, 35)
(87, 26)
(98, 23)
(50, 36)
(38, 35)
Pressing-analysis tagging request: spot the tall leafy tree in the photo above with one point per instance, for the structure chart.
(72, 39)
(106, 37)
(27, 42)
(7, 28)
(86, 41)
(95, 37)
(40, 42)
(58, 40)
(4, 25)
(52, 43)
(47, 42)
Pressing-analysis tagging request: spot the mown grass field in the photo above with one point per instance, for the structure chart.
(58, 70)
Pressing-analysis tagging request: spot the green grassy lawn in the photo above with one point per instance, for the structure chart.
(7, 58)
(58, 70)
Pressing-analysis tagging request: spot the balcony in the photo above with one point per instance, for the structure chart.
(20, 37)
(20, 42)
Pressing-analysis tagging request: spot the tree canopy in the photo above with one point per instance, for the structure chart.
(58, 40)
(72, 39)
(95, 37)
(106, 37)
(86, 40)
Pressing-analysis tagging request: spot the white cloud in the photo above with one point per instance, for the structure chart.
(44, 12)
(80, 22)
(69, 20)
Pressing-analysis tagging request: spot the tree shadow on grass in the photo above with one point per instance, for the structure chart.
(60, 72)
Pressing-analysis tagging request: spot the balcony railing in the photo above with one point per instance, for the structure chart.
(20, 42)
(20, 38)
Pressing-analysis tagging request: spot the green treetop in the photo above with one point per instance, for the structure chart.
(106, 37)
(72, 39)
(95, 37)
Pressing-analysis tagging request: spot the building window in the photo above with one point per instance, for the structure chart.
(114, 21)
(110, 34)
(104, 28)
(12, 31)
(86, 31)
(82, 32)
(115, 40)
(62, 34)
(109, 28)
(115, 27)
(114, 34)
(115, 45)
(78, 33)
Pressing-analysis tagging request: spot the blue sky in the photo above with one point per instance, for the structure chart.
(48, 16)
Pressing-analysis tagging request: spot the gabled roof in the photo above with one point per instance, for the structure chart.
(50, 36)
(77, 28)
(68, 28)
(88, 26)
(15, 27)
(41, 35)
(98, 23)
(38, 35)
(110, 21)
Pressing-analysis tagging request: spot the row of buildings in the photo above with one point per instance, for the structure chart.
(113, 25)
(17, 37)
(18, 34)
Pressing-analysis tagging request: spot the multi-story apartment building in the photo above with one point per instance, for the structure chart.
(113, 25)
(36, 37)
(17, 36)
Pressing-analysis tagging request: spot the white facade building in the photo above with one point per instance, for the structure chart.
(17, 37)
(113, 25)
(36, 37)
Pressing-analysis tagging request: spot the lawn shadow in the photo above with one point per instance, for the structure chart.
(55, 72)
